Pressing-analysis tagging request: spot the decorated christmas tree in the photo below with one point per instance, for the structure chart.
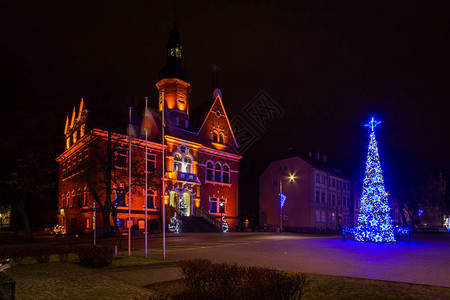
(173, 225)
(374, 220)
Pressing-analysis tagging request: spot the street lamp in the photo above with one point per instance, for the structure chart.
(221, 210)
(283, 199)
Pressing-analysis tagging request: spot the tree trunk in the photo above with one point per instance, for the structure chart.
(118, 234)
(25, 219)
(106, 211)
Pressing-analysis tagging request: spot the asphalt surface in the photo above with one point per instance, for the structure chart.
(426, 260)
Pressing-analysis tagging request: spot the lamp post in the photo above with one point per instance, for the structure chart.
(282, 199)
(221, 210)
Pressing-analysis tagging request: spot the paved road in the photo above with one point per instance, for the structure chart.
(425, 261)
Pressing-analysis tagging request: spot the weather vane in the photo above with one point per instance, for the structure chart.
(372, 124)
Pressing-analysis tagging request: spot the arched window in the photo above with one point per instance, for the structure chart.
(63, 200)
(177, 162)
(73, 198)
(68, 199)
(187, 165)
(79, 198)
(226, 174)
(209, 171)
(217, 173)
(85, 195)
(215, 137)
(221, 138)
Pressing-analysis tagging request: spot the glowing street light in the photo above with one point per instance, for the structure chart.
(282, 199)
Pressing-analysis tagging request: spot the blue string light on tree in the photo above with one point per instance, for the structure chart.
(374, 220)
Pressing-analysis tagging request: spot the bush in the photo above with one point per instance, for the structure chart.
(19, 254)
(95, 255)
(64, 251)
(41, 254)
(207, 280)
(154, 226)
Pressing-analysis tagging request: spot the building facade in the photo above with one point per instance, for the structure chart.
(318, 198)
(201, 165)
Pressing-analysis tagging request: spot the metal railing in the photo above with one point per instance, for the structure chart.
(200, 212)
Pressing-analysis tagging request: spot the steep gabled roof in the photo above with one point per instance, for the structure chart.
(218, 99)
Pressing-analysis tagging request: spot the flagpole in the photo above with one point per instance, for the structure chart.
(129, 188)
(163, 182)
(146, 189)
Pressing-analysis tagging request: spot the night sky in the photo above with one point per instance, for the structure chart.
(329, 66)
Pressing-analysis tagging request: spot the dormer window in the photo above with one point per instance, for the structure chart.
(175, 52)
(215, 137)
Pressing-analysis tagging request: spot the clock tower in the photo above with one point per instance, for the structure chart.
(174, 83)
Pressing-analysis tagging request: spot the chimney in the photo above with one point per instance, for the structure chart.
(317, 155)
(324, 158)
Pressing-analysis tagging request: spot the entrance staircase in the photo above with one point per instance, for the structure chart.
(197, 224)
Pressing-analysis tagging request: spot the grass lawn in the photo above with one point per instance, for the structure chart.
(334, 287)
(134, 261)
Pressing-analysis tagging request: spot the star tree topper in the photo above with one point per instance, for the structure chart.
(372, 124)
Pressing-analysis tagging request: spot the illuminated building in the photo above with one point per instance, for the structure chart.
(319, 198)
(201, 164)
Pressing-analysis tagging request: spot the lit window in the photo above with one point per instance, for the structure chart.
(177, 162)
(209, 171)
(74, 137)
(187, 165)
(333, 217)
(141, 224)
(226, 174)
(217, 173)
(87, 223)
(82, 130)
(212, 205)
(68, 143)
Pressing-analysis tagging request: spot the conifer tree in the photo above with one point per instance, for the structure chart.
(374, 220)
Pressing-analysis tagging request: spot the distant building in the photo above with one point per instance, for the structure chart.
(5, 217)
(201, 165)
(319, 198)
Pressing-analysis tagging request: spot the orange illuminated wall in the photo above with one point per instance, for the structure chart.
(176, 94)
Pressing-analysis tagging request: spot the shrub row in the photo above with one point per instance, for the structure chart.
(89, 255)
(207, 280)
